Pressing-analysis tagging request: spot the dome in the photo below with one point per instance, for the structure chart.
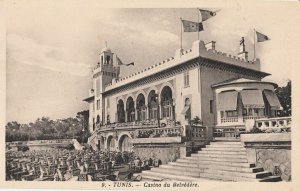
(105, 50)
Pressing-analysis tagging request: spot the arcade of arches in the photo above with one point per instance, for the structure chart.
(157, 106)
(123, 143)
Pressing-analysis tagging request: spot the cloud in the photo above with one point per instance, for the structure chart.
(138, 31)
(27, 51)
(160, 37)
(159, 20)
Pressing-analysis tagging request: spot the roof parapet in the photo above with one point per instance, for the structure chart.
(199, 48)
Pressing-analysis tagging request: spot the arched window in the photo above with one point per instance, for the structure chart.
(166, 102)
(121, 111)
(130, 110)
(152, 105)
(141, 107)
(98, 119)
(187, 109)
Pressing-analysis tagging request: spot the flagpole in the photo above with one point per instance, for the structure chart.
(198, 20)
(254, 45)
(180, 35)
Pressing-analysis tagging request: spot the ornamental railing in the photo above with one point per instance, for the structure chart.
(159, 132)
(278, 122)
(251, 117)
(233, 132)
(229, 119)
(198, 133)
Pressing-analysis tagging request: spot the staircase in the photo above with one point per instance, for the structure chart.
(77, 145)
(219, 161)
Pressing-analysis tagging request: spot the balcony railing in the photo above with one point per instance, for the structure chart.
(228, 132)
(229, 119)
(198, 133)
(278, 122)
(159, 132)
(135, 124)
(251, 117)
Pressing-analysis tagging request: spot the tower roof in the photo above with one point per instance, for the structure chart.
(106, 50)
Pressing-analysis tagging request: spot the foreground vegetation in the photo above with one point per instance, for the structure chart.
(45, 129)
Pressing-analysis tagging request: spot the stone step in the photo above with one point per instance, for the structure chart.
(204, 158)
(223, 152)
(149, 174)
(222, 149)
(270, 179)
(221, 163)
(226, 143)
(159, 176)
(228, 178)
(187, 167)
(195, 173)
(241, 179)
(214, 155)
(223, 146)
(211, 173)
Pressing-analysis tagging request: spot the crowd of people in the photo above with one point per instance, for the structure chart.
(74, 165)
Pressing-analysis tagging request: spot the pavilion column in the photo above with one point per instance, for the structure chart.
(125, 115)
(173, 110)
(239, 107)
(160, 110)
(135, 114)
(147, 112)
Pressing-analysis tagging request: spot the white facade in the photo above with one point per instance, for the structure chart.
(177, 89)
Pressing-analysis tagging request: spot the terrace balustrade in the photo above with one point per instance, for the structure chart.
(278, 122)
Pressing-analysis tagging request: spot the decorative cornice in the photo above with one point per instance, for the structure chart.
(158, 76)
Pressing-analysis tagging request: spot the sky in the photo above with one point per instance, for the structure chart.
(50, 49)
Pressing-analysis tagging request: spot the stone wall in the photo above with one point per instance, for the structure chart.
(269, 158)
(165, 152)
(271, 151)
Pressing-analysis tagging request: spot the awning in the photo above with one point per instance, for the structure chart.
(185, 109)
(272, 99)
(252, 98)
(227, 100)
(89, 99)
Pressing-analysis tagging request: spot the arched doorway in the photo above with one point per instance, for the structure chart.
(102, 143)
(187, 109)
(141, 107)
(166, 102)
(111, 143)
(125, 143)
(98, 119)
(130, 110)
(152, 105)
(121, 111)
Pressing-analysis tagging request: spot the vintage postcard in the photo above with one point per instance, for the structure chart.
(124, 95)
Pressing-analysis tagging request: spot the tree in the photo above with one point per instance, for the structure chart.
(44, 128)
(83, 117)
(284, 96)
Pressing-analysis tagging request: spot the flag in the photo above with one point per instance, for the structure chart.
(121, 63)
(261, 37)
(190, 26)
(206, 14)
(131, 63)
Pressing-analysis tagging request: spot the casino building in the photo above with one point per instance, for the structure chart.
(195, 96)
